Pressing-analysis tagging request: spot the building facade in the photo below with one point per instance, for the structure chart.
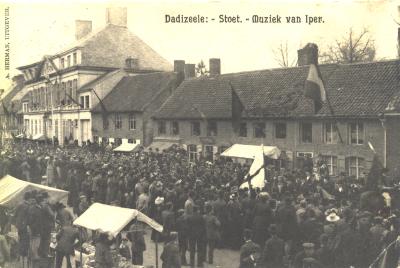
(62, 88)
(273, 110)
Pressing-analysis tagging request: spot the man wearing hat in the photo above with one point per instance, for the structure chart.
(249, 252)
(274, 249)
(170, 255)
(48, 220)
(306, 258)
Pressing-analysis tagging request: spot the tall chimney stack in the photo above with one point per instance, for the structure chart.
(398, 42)
(117, 16)
(190, 71)
(179, 67)
(82, 28)
(307, 55)
(215, 67)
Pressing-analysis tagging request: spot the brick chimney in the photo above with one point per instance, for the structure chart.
(179, 68)
(18, 79)
(307, 55)
(132, 63)
(117, 16)
(215, 67)
(190, 71)
(398, 42)
(82, 28)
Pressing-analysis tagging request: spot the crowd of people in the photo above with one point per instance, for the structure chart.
(301, 218)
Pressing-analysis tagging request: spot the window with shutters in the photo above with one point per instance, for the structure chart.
(162, 128)
(212, 128)
(192, 152)
(280, 130)
(330, 133)
(195, 128)
(356, 133)
(118, 121)
(259, 130)
(132, 122)
(74, 58)
(354, 166)
(175, 128)
(331, 162)
(74, 88)
(69, 92)
(243, 130)
(306, 132)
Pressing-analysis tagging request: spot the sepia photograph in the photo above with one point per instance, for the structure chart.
(215, 134)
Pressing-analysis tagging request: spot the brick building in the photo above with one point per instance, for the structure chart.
(129, 106)
(273, 110)
(64, 87)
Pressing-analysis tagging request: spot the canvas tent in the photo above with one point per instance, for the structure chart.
(250, 151)
(257, 153)
(12, 191)
(126, 147)
(112, 219)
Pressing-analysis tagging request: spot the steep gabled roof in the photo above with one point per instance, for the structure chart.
(133, 93)
(6, 103)
(110, 46)
(354, 90)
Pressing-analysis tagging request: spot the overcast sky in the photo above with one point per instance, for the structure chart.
(42, 28)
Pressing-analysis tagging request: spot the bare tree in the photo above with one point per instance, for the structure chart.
(354, 47)
(282, 55)
(201, 69)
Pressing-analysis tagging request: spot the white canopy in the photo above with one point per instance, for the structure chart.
(126, 147)
(38, 137)
(250, 151)
(112, 219)
(12, 191)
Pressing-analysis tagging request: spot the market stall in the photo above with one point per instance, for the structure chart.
(111, 220)
(12, 191)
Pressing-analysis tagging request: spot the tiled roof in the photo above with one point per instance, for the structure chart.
(9, 96)
(110, 46)
(353, 90)
(133, 93)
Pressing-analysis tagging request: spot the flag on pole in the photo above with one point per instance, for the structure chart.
(237, 109)
(314, 87)
(257, 171)
(104, 111)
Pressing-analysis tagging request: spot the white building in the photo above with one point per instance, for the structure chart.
(54, 106)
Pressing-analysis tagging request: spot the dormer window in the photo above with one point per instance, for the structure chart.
(132, 63)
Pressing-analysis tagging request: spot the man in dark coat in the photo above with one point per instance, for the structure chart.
(249, 252)
(274, 250)
(182, 228)
(48, 220)
(170, 255)
(197, 236)
(307, 258)
(21, 222)
(212, 230)
(262, 219)
(65, 244)
(34, 222)
(136, 236)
